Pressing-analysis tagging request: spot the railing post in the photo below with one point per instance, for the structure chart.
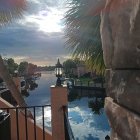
(59, 99)
(88, 83)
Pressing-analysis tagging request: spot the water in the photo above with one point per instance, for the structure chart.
(41, 95)
(88, 121)
(86, 114)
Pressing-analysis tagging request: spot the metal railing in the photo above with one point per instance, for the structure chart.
(89, 83)
(26, 111)
(68, 131)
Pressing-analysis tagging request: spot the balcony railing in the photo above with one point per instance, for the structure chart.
(68, 131)
(24, 111)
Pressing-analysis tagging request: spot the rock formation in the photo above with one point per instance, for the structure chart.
(120, 32)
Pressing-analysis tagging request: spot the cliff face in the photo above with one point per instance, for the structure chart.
(120, 32)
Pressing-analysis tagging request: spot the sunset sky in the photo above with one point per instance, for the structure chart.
(38, 37)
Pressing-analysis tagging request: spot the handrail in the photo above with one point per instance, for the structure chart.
(19, 107)
(3, 90)
(68, 131)
(26, 116)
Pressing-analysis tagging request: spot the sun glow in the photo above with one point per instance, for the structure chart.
(47, 21)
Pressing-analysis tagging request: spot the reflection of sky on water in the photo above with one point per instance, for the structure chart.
(47, 117)
(41, 95)
(85, 124)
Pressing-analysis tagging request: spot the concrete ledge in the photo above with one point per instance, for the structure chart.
(124, 123)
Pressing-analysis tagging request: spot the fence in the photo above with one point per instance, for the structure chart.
(89, 84)
(68, 131)
(25, 130)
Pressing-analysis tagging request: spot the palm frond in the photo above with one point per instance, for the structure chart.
(83, 34)
(11, 9)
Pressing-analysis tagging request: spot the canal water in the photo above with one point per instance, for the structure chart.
(86, 114)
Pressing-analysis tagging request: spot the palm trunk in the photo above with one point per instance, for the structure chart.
(4, 74)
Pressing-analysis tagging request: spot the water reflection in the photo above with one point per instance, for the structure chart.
(90, 137)
(87, 116)
(25, 93)
(86, 113)
(47, 117)
(30, 85)
(96, 102)
(96, 105)
(41, 96)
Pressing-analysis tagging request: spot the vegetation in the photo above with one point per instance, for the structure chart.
(22, 69)
(85, 79)
(69, 66)
(9, 11)
(11, 65)
(45, 68)
(83, 34)
(25, 68)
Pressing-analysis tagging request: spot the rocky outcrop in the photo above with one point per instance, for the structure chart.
(124, 87)
(120, 33)
(125, 124)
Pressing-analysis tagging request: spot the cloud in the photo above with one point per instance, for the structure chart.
(46, 21)
(47, 14)
(38, 37)
(35, 46)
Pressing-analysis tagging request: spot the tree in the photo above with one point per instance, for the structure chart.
(83, 34)
(31, 69)
(69, 66)
(23, 67)
(11, 65)
(4, 74)
(10, 10)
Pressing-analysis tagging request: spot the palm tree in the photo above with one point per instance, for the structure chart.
(10, 10)
(83, 34)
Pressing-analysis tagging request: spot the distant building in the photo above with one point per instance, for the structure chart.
(74, 71)
(81, 70)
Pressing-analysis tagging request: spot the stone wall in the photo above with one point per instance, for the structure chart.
(120, 32)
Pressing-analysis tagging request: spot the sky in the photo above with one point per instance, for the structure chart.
(38, 37)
